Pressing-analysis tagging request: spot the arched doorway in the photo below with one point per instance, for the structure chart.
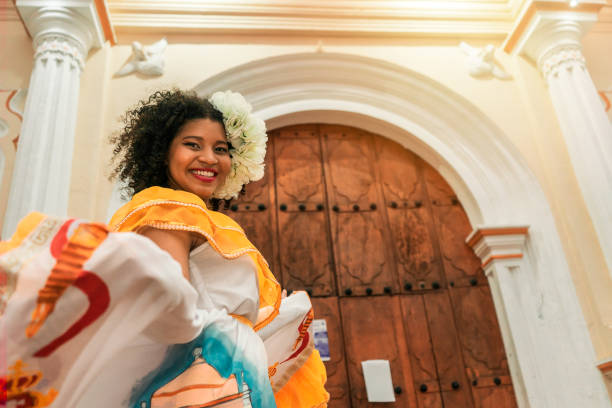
(534, 295)
(376, 236)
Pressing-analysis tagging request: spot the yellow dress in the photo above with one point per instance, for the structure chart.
(302, 384)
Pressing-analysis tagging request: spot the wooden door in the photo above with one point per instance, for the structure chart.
(377, 237)
(256, 214)
(302, 220)
(337, 380)
(387, 342)
(364, 262)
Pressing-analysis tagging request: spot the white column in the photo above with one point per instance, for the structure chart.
(544, 343)
(62, 37)
(556, 48)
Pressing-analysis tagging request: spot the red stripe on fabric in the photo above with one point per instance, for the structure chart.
(99, 299)
(60, 239)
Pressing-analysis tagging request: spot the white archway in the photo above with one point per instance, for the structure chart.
(547, 342)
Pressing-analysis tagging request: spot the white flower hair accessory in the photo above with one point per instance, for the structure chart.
(247, 137)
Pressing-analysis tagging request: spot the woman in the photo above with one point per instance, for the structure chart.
(178, 152)
(169, 306)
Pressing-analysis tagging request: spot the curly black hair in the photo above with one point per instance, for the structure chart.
(141, 147)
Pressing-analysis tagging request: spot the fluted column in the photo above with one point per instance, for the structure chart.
(62, 38)
(556, 48)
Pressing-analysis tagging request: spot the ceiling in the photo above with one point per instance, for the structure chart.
(486, 18)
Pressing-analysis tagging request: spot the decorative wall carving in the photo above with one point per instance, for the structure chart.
(481, 62)
(565, 57)
(145, 59)
(60, 49)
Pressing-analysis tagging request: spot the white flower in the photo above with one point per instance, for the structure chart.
(247, 136)
(231, 104)
(255, 130)
(252, 152)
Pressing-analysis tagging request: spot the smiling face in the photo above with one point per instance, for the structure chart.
(198, 158)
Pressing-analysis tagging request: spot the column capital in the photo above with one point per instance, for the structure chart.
(500, 243)
(550, 33)
(78, 24)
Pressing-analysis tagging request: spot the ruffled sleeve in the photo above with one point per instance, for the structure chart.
(169, 209)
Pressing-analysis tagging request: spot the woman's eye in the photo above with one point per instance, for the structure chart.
(222, 149)
(192, 145)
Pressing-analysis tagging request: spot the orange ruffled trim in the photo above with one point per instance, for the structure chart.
(24, 228)
(165, 208)
(305, 387)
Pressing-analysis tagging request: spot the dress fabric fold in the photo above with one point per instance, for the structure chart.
(99, 316)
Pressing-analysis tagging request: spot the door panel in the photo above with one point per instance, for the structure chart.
(453, 382)
(399, 175)
(362, 263)
(299, 173)
(418, 262)
(495, 397)
(438, 190)
(337, 380)
(304, 253)
(479, 330)
(303, 233)
(364, 259)
(364, 319)
(420, 349)
(461, 265)
(350, 172)
(483, 349)
(254, 212)
(260, 229)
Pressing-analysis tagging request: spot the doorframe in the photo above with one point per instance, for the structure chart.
(549, 350)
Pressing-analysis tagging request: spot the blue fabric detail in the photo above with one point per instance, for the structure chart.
(220, 353)
(228, 362)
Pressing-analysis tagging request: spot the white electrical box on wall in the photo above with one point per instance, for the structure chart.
(377, 376)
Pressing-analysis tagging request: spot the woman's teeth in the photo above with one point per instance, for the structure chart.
(203, 173)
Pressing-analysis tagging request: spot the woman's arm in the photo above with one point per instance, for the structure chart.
(177, 243)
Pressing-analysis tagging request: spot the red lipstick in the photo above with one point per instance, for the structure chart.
(204, 179)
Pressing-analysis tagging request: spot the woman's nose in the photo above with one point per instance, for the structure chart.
(207, 155)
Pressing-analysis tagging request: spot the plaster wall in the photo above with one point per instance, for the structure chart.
(521, 107)
(597, 48)
(16, 61)
(16, 55)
